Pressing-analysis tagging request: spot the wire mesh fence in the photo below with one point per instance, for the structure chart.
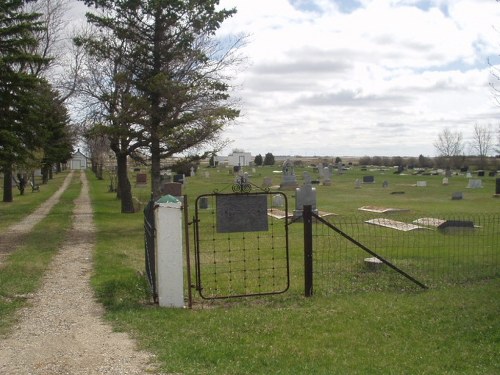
(437, 251)
(232, 262)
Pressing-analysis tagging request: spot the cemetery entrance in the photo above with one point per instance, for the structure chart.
(241, 244)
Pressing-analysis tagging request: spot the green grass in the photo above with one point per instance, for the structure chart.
(452, 330)
(23, 205)
(23, 270)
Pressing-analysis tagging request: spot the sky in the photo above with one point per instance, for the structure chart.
(362, 77)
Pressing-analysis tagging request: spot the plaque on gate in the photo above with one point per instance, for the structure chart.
(241, 213)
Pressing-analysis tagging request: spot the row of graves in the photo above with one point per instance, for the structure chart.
(172, 184)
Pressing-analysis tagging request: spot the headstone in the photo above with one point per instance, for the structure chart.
(456, 224)
(475, 184)
(445, 181)
(253, 170)
(206, 174)
(456, 196)
(492, 173)
(497, 190)
(422, 183)
(368, 179)
(468, 175)
(203, 203)
(447, 173)
(305, 196)
(480, 173)
(327, 176)
(179, 178)
(278, 200)
(172, 188)
(385, 184)
(191, 172)
(289, 181)
(236, 169)
(141, 179)
(267, 183)
(340, 168)
(357, 184)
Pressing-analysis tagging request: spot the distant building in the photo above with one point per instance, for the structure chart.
(240, 158)
(77, 161)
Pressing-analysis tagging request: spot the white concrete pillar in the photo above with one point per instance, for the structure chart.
(169, 264)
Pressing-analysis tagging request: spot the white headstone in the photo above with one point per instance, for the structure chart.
(475, 184)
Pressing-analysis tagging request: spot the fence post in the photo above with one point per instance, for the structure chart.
(308, 251)
(170, 273)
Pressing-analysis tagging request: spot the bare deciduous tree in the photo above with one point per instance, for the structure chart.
(54, 43)
(482, 141)
(449, 143)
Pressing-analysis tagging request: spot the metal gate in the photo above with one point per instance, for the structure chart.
(241, 244)
(149, 247)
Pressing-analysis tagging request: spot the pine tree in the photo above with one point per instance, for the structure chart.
(16, 38)
(175, 68)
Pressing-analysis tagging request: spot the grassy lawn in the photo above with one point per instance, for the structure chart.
(22, 272)
(23, 205)
(452, 330)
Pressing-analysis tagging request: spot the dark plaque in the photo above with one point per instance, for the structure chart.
(241, 213)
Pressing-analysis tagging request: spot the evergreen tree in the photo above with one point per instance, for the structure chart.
(258, 160)
(174, 66)
(269, 159)
(16, 135)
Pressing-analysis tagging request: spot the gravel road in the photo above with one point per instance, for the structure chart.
(62, 330)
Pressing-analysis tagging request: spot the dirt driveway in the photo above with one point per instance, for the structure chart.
(62, 330)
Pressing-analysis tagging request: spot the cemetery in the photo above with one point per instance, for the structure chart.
(409, 206)
(358, 301)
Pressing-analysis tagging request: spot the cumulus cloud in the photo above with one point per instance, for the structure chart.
(341, 77)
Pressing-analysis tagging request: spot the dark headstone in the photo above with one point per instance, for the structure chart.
(236, 168)
(172, 188)
(456, 196)
(203, 203)
(497, 191)
(492, 173)
(178, 178)
(480, 173)
(368, 179)
(456, 224)
(141, 178)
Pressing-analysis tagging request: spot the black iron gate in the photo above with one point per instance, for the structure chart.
(241, 244)
(149, 247)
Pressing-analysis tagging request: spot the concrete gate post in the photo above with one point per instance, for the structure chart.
(169, 264)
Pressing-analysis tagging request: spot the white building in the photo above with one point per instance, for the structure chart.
(77, 161)
(240, 158)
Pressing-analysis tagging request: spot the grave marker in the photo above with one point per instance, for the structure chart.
(305, 196)
(172, 188)
(475, 184)
(368, 179)
(289, 180)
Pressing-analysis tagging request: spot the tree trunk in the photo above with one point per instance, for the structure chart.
(7, 183)
(124, 184)
(45, 174)
(155, 169)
